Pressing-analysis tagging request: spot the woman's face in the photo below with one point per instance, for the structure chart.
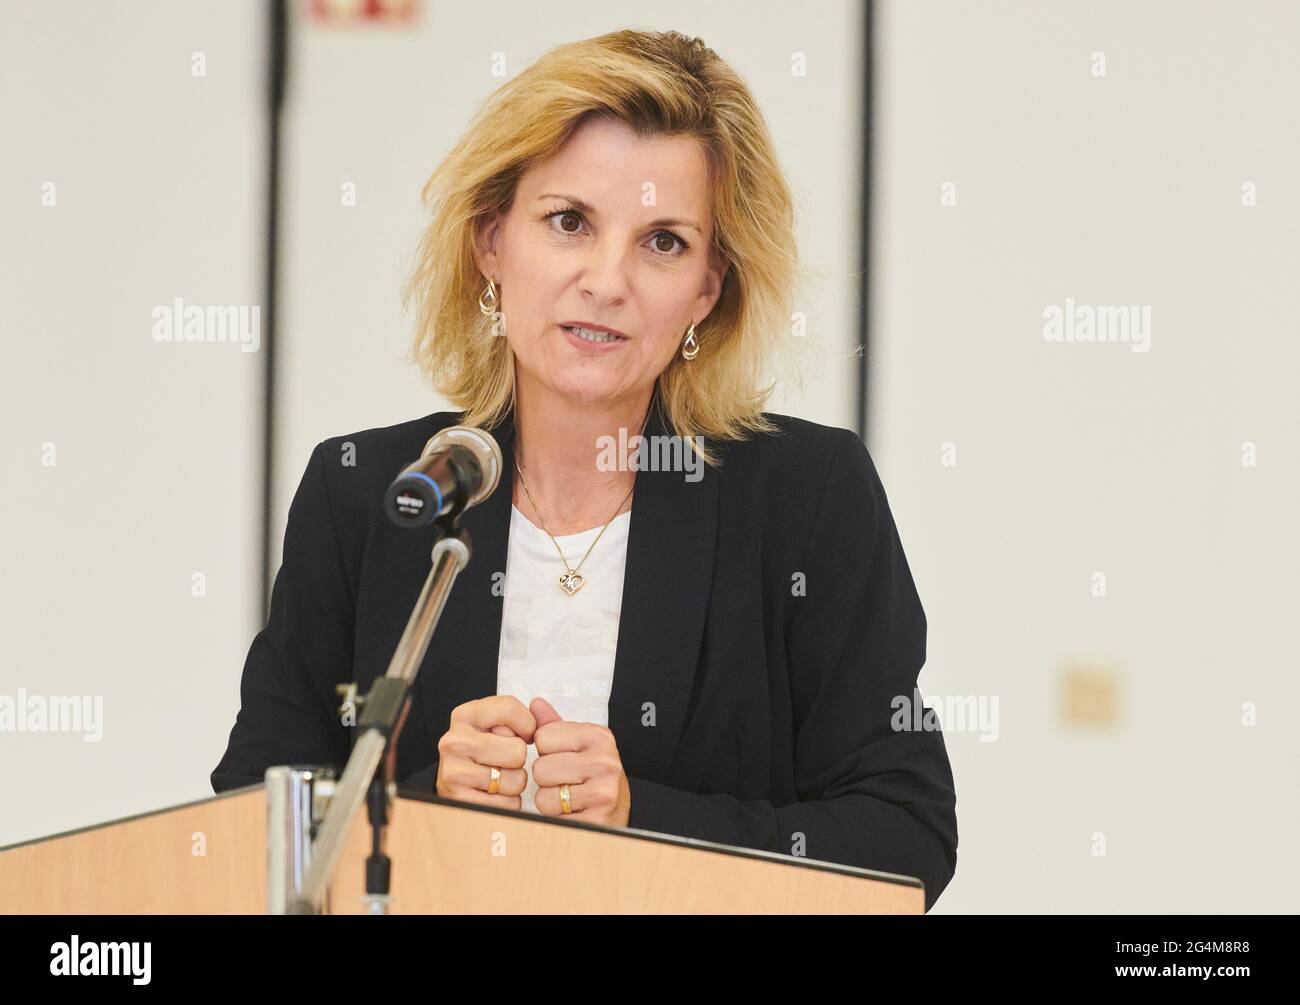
(612, 230)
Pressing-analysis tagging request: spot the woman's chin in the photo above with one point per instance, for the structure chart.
(587, 389)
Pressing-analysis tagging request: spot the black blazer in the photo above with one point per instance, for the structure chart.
(768, 623)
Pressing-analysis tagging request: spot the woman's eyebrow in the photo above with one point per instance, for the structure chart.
(586, 208)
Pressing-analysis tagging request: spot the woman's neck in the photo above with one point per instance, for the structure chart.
(559, 445)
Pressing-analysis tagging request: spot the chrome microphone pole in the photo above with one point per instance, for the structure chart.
(379, 715)
(383, 709)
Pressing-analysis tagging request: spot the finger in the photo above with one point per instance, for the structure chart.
(565, 735)
(551, 770)
(548, 804)
(497, 710)
(467, 794)
(471, 775)
(543, 711)
(466, 743)
(592, 815)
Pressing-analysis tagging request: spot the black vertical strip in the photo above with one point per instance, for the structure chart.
(864, 280)
(276, 73)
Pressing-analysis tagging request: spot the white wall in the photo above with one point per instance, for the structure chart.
(1076, 458)
(156, 472)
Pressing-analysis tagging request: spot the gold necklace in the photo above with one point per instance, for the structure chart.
(571, 580)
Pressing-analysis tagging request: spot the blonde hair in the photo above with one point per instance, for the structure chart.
(656, 83)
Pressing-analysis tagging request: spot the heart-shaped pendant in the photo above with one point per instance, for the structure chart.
(571, 582)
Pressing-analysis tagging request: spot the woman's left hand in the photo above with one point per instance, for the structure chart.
(584, 756)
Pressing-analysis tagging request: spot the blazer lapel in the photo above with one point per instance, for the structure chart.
(666, 588)
(666, 585)
(461, 664)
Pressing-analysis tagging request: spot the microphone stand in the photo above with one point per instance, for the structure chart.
(383, 713)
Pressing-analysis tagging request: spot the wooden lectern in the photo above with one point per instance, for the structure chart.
(210, 857)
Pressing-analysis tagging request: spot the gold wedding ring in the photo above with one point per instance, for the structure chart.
(565, 805)
(494, 786)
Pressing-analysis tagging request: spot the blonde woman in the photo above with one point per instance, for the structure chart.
(706, 631)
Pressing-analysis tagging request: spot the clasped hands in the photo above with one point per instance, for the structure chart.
(496, 731)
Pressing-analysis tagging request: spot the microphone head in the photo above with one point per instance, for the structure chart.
(479, 443)
(456, 462)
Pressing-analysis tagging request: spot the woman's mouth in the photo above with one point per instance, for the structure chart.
(585, 338)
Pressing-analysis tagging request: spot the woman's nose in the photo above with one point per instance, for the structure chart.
(604, 275)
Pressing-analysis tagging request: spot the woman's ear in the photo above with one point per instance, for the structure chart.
(718, 268)
(487, 233)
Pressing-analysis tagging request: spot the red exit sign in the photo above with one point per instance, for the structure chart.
(346, 11)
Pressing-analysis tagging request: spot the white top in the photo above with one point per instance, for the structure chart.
(553, 645)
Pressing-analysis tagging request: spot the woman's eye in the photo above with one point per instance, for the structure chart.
(674, 244)
(563, 215)
(672, 240)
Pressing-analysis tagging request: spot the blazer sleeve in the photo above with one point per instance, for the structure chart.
(870, 795)
(288, 705)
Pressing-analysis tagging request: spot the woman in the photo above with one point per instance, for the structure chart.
(706, 636)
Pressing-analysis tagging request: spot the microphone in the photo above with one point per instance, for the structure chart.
(459, 468)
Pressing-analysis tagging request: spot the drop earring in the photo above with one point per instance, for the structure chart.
(489, 303)
(691, 347)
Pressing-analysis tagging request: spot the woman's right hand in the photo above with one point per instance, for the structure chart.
(486, 732)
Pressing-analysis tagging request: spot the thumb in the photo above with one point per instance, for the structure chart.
(501, 730)
(544, 712)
